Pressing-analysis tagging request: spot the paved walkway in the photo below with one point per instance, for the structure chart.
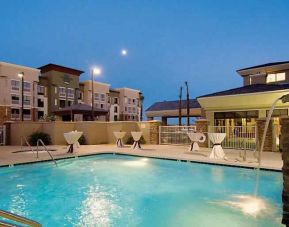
(270, 160)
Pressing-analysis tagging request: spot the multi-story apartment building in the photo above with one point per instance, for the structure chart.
(55, 90)
(101, 98)
(114, 112)
(11, 92)
(62, 87)
(130, 104)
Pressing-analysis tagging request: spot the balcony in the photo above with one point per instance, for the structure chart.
(27, 116)
(26, 102)
(62, 94)
(15, 101)
(15, 116)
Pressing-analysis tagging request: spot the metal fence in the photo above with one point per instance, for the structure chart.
(237, 137)
(175, 134)
(2, 135)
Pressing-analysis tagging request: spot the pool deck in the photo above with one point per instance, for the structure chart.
(270, 160)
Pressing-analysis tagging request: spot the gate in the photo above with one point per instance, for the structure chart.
(237, 137)
(175, 134)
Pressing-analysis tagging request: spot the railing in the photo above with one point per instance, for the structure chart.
(2, 135)
(27, 143)
(39, 141)
(17, 218)
(237, 137)
(175, 134)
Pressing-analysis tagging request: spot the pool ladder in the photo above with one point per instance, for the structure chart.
(16, 218)
(40, 141)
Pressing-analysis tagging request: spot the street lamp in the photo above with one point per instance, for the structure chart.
(21, 75)
(96, 71)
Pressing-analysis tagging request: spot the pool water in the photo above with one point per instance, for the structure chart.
(118, 190)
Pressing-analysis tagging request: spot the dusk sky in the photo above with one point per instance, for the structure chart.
(168, 42)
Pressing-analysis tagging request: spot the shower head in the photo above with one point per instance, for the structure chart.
(285, 98)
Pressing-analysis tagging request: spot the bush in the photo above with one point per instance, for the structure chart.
(82, 140)
(130, 140)
(39, 135)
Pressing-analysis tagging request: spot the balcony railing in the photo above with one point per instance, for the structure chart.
(15, 116)
(27, 116)
(14, 101)
(62, 94)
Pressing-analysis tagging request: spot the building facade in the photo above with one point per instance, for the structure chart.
(61, 85)
(11, 92)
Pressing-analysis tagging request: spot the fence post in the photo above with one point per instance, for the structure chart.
(202, 125)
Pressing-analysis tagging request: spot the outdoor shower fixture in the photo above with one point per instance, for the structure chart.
(284, 99)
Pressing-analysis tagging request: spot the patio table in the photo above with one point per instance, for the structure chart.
(72, 139)
(119, 136)
(196, 137)
(217, 151)
(136, 137)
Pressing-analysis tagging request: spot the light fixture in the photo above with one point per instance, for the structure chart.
(123, 52)
(21, 74)
(96, 71)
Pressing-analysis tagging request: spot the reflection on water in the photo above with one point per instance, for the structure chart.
(18, 202)
(136, 163)
(249, 205)
(98, 208)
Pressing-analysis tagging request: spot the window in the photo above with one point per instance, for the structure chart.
(15, 85)
(40, 90)
(129, 100)
(40, 115)
(79, 95)
(96, 96)
(275, 77)
(27, 114)
(115, 117)
(61, 103)
(115, 109)
(101, 106)
(26, 100)
(69, 103)
(102, 97)
(15, 113)
(62, 92)
(40, 103)
(129, 109)
(125, 108)
(115, 100)
(70, 93)
(278, 112)
(15, 99)
(133, 101)
(27, 86)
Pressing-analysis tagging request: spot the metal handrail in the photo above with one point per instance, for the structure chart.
(19, 219)
(27, 143)
(43, 145)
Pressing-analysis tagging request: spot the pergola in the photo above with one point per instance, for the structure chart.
(67, 113)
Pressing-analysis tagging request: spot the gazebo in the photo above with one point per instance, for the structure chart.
(80, 112)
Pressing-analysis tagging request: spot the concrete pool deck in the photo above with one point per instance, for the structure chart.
(270, 160)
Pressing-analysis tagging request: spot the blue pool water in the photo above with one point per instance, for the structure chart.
(117, 190)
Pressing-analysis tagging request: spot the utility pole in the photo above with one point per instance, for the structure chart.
(188, 104)
(180, 105)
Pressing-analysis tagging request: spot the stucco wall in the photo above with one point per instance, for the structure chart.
(94, 132)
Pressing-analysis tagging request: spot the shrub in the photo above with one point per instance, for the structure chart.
(130, 140)
(82, 140)
(39, 135)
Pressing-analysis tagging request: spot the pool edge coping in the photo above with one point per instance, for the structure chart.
(139, 155)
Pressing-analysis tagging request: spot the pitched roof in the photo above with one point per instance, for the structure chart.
(60, 68)
(265, 65)
(255, 88)
(173, 105)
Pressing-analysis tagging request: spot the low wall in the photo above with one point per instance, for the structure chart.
(95, 132)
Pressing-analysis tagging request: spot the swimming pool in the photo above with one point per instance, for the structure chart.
(118, 190)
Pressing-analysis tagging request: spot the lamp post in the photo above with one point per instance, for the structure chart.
(21, 75)
(96, 71)
(188, 104)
